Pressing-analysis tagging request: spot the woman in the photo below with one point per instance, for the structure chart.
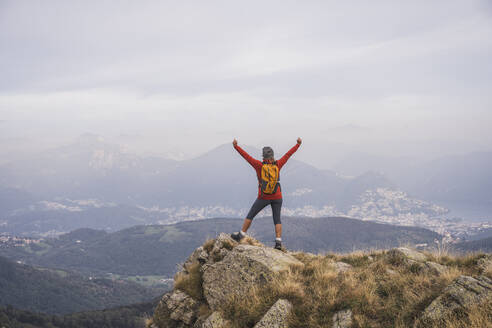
(269, 190)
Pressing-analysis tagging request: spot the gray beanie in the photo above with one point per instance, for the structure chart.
(267, 152)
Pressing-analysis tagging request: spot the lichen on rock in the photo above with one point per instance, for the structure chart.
(214, 272)
(215, 320)
(463, 293)
(407, 253)
(174, 309)
(229, 284)
(276, 316)
(342, 319)
(245, 266)
(341, 267)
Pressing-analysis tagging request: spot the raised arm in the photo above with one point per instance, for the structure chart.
(254, 162)
(281, 162)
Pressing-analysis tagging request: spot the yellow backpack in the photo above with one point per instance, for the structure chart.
(269, 178)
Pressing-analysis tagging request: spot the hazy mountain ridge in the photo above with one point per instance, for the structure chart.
(91, 183)
(87, 168)
(102, 186)
(155, 250)
(61, 215)
(95, 169)
(453, 178)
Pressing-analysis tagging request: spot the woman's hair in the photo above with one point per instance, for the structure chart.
(267, 152)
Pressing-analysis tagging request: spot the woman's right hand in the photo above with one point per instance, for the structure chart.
(234, 142)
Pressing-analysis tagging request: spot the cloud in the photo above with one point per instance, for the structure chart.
(221, 68)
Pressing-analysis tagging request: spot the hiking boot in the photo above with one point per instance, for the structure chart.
(237, 236)
(278, 245)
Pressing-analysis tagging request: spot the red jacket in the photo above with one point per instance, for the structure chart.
(256, 164)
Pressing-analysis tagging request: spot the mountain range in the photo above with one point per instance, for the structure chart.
(95, 184)
(158, 249)
(460, 182)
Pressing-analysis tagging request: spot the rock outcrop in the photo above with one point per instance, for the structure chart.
(341, 267)
(176, 309)
(435, 268)
(415, 260)
(209, 290)
(241, 269)
(342, 319)
(485, 263)
(463, 293)
(407, 253)
(277, 315)
(215, 320)
(226, 269)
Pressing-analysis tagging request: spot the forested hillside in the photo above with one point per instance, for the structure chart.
(57, 291)
(130, 316)
(156, 250)
(480, 245)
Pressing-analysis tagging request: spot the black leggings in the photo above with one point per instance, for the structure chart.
(260, 204)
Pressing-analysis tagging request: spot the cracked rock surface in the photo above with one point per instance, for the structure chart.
(242, 268)
(464, 292)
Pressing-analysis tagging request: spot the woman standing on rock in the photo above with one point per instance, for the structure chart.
(269, 190)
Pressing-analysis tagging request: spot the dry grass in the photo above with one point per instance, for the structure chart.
(148, 322)
(478, 316)
(191, 282)
(204, 311)
(467, 264)
(488, 271)
(248, 240)
(381, 289)
(378, 297)
(208, 245)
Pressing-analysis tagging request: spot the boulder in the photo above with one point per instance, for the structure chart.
(176, 309)
(408, 253)
(215, 320)
(485, 263)
(199, 255)
(391, 272)
(436, 268)
(223, 244)
(242, 268)
(182, 307)
(464, 292)
(276, 316)
(342, 319)
(341, 267)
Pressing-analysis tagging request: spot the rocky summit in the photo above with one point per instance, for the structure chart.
(224, 283)
(225, 270)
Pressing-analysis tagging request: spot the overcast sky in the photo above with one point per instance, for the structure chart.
(384, 77)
